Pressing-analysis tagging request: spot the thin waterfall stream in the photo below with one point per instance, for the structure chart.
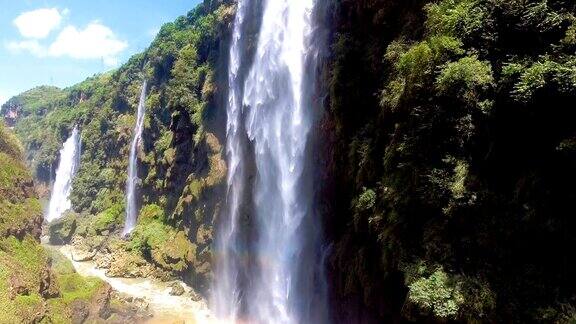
(67, 167)
(131, 183)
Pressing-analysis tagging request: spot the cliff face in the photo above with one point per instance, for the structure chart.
(453, 160)
(19, 207)
(366, 284)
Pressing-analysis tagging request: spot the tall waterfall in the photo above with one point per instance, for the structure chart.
(69, 163)
(268, 253)
(131, 204)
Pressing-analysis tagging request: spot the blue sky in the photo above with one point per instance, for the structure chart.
(62, 42)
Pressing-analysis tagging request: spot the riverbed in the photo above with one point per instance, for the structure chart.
(164, 307)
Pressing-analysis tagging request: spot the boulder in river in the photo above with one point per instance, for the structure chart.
(62, 230)
(177, 289)
(195, 296)
(83, 255)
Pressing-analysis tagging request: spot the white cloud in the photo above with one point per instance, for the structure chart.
(39, 23)
(96, 41)
(32, 46)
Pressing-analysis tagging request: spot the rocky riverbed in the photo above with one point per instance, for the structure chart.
(164, 302)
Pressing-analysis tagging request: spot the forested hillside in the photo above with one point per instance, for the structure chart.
(182, 164)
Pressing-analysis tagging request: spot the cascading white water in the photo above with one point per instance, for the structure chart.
(264, 271)
(131, 208)
(226, 294)
(69, 163)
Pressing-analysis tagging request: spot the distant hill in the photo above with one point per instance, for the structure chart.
(38, 101)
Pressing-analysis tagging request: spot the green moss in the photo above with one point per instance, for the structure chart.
(148, 236)
(22, 265)
(108, 220)
(25, 259)
(25, 263)
(13, 175)
(176, 253)
(29, 308)
(73, 287)
(162, 244)
(150, 213)
(19, 215)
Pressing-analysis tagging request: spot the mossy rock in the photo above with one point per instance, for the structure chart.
(128, 265)
(204, 234)
(38, 284)
(62, 230)
(21, 269)
(176, 254)
(108, 220)
(150, 213)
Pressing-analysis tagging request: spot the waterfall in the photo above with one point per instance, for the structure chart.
(270, 271)
(69, 163)
(131, 208)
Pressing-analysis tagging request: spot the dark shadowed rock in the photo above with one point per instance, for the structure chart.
(62, 230)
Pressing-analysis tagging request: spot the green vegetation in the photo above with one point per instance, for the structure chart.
(167, 248)
(108, 219)
(452, 149)
(35, 285)
(437, 293)
(180, 161)
(469, 153)
(19, 208)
